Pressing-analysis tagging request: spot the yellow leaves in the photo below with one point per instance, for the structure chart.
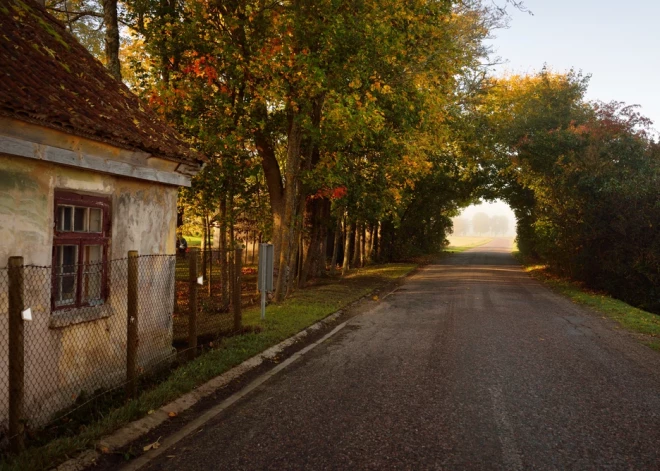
(355, 83)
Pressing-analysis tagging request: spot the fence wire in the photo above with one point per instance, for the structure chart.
(215, 269)
(75, 347)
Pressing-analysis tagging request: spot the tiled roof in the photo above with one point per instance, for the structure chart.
(48, 78)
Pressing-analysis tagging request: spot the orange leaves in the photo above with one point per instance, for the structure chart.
(202, 67)
(334, 193)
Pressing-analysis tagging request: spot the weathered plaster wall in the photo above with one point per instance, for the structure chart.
(62, 362)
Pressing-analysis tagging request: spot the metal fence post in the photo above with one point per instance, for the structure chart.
(16, 354)
(192, 304)
(236, 290)
(132, 325)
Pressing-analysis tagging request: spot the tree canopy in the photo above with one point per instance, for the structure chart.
(360, 128)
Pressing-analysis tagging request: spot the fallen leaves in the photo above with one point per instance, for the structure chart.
(152, 446)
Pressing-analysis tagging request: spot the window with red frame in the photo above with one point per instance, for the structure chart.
(80, 250)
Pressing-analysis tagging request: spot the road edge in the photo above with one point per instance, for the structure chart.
(138, 428)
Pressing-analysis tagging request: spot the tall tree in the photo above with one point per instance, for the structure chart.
(111, 37)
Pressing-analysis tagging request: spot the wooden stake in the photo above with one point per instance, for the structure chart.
(192, 303)
(16, 354)
(132, 325)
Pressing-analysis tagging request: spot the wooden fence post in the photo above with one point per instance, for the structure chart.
(192, 303)
(132, 325)
(236, 290)
(16, 354)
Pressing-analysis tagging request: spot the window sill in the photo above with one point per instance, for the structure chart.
(61, 319)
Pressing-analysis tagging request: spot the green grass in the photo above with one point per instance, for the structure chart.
(301, 310)
(628, 317)
(463, 248)
(193, 241)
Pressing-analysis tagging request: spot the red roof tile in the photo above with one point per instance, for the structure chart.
(48, 78)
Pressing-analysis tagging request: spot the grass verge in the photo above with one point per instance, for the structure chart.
(461, 244)
(628, 317)
(283, 320)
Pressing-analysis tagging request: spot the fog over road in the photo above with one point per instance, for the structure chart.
(471, 364)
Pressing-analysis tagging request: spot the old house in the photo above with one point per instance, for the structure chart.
(87, 173)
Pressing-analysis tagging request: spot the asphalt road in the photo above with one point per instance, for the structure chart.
(469, 365)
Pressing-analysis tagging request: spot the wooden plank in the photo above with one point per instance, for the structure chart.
(31, 150)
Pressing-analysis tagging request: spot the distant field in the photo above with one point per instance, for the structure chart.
(458, 242)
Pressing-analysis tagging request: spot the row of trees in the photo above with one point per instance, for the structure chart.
(583, 179)
(330, 116)
(374, 121)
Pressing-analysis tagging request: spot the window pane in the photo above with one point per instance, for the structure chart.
(66, 258)
(95, 220)
(92, 274)
(80, 220)
(66, 218)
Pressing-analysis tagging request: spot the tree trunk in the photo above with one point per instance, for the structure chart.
(288, 235)
(273, 176)
(321, 259)
(295, 265)
(335, 246)
(232, 244)
(368, 256)
(314, 212)
(254, 246)
(377, 242)
(347, 248)
(224, 266)
(356, 245)
(111, 38)
(209, 248)
(363, 243)
(204, 248)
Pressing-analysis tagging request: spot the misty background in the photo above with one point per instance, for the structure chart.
(486, 219)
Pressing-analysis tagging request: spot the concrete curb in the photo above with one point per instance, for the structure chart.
(199, 422)
(134, 430)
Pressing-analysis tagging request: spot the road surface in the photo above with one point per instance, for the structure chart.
(469, 365)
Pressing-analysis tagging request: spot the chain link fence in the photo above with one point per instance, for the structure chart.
(98, 332)
(215, 270)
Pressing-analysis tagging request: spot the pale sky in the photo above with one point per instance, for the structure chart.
(617, 42)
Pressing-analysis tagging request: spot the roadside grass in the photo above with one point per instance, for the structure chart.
(628, 317)
(461, 244)
(301, 310)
